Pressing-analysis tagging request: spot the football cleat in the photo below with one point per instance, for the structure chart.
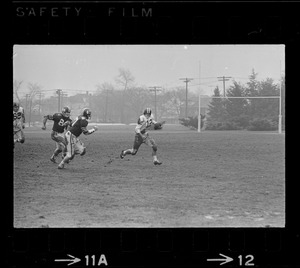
(52, 159)
(61, 166)
(156, 162)
(122, 155)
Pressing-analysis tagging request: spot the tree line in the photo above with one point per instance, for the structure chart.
(120, 101)
(236, 112)
(123, 100)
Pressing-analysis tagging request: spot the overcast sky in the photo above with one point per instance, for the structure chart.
(79, 68)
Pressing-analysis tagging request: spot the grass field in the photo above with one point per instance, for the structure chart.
(208, 179)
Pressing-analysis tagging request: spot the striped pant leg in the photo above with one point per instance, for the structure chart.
(70, 144)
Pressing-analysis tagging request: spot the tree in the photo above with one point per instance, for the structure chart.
(252, 90)
(138, 99)
(176, 100)
(282, 81)
(125, 79)
(34, 89)
(252, 87)
(236, 106)
(216, 110)
(267, 108)
(17, 85)
(106, 90)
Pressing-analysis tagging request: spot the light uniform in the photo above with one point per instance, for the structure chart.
(18, 125)
(143, 125)
(141, 136)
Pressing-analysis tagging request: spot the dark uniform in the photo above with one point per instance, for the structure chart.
(61, 122)
(73, 144)
(59, 125)
(79, 126)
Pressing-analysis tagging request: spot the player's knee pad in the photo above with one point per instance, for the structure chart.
(83, 151)
(154, 147)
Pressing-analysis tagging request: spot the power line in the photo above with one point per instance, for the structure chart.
(224, 78)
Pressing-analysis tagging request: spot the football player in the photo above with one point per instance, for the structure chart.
(18, 124)
(145, 121)
(61, 122)
(74, 144)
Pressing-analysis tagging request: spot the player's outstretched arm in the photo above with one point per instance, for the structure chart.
(46, 117)
(86, 131)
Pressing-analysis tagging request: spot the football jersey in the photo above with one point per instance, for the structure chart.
(144, 123)
(79, 126)
(59, 119)
(18, 114)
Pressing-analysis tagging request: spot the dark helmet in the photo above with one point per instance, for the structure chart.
(16, 105)
(87, 113)
(147, 111)
(66, 111)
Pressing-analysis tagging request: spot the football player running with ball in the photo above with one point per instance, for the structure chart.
(61, 122)
(74, 144)
(144, 123)
(19, 120)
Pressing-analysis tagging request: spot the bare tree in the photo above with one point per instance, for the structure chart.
(174, 101)
(139, 97)
(125, 79)
(105, 90)
(17, 84)
(34, 89)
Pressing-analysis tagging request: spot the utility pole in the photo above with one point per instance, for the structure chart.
(155, 89)
(62, 98)
(88, 99)
(224, 78)
(59, 92)
(186, 81)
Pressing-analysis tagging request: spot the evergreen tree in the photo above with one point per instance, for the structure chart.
(268, 108)
(217, 114)
(283, 101)
(237, 107)
(252, 90)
